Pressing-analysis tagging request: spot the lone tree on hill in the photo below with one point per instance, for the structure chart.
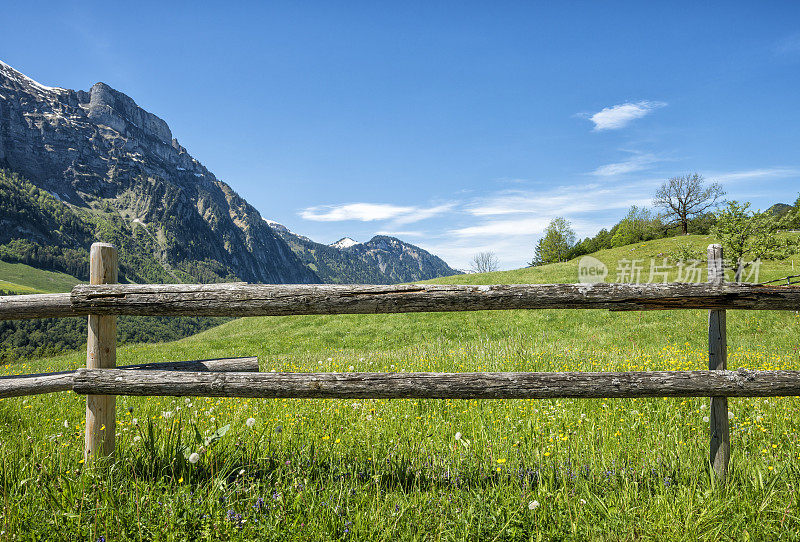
(685, 197)
(558, 239)
(484, 262)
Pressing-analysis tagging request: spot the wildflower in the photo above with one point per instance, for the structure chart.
(66, 423)
(166, 413)
(458, 436)
(730, 415)
(135, 421)
(137, 438)
(533, 505)
(194, 458)
(705, 419)
(250, 422)
(501, 461)
(351, 368)
(583, 501)
(180, 480)
(241, 472)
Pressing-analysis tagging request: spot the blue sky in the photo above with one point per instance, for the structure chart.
(458, 126)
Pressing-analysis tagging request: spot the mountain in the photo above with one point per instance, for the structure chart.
(111, 165)
(78, 166)
(381, 260)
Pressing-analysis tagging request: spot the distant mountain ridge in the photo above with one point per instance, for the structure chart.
(381, 260)
(106, 169)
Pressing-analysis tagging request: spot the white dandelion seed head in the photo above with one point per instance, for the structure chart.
(730, 415)
(458, 436)
(705, 419)
(166, 413)
(351, 368)
(583, 501)
(137, 438)
(250, 422)
(135, 421)
(194, 458)
(66, 423)
(241, 472)
(533, 505)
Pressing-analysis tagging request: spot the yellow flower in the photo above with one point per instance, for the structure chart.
(326, 437)
(501, 461)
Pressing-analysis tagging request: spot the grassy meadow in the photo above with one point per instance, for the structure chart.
(423, 469)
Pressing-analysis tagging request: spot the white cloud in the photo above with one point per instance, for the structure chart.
(618, 116)
(368, 212)
(521, 226)
(754, 174)
(564, 200)
(638, 162)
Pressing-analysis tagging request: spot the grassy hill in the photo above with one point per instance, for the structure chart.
(24, 279)
(393, 469)
(685, 248)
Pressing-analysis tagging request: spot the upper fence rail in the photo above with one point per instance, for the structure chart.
(242, 299)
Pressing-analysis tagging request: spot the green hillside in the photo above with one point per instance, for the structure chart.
(383, 469)
(674, 249)
(24, 339)
(24, 279)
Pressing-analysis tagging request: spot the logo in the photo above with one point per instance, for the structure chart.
(591, 270)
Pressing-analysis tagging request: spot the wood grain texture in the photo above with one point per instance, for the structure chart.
(37, 384)
(239, 299)
(741, 383)
(101, 353)
(264, 300)
(26, 307)
(719, 430)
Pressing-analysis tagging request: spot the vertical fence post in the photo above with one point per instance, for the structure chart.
(101, 352)
(718, 360)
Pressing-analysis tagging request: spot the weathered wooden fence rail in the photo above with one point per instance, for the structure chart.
(36, 384)
(580, 385)
(102, 300)
(241, 299)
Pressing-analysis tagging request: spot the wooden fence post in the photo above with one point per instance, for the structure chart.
(101, 352)
(718, 360)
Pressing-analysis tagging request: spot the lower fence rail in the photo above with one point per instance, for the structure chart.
(521, 385)
(37, 384)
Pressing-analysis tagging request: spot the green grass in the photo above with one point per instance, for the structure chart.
(393, 469)
(24, 279)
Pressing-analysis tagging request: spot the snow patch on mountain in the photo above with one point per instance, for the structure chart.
(344, 242)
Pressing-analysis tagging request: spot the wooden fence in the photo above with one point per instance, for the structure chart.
(101, 300)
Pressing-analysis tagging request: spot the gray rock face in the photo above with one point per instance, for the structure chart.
(99, 150)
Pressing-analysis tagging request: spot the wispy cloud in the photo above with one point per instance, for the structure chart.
(638, 162)
(618, 116)
(368, 212)
(754, 174)
(563, 200)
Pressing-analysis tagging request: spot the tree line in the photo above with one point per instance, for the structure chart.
(683, 205)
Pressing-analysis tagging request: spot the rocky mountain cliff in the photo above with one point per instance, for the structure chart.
(79, 166)
(381, 260)
(100, 152)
